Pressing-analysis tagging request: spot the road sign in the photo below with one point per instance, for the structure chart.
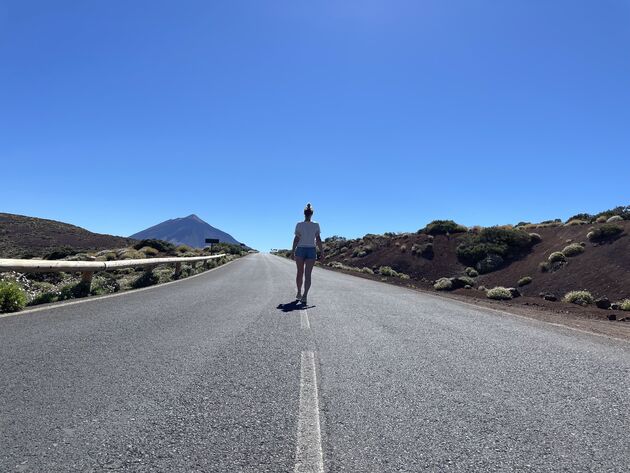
(212, 240)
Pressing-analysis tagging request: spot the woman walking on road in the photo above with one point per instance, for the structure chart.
(306, 240)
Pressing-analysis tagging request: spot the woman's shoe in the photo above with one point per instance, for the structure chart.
(303, 300)
(298, 296)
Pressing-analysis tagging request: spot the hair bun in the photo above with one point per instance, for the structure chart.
(308, 206)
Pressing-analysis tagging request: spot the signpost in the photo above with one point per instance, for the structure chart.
(210, 241)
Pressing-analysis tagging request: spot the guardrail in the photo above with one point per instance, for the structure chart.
(88, 268)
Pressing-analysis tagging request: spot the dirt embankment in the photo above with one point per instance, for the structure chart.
(603, 269)
(25, 237)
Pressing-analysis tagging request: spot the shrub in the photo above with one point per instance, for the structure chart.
(573, 249)
(581, 216)
(499, 293)
(524, 281)
(147, 279)
(183, 249)
(130, 254)
(367, 270)
(105, 283)
(442, 227)
(556, 256)
(462, 281)
(74, 291)
(536, 238)
(60, 253)
(490, 263)
(12, 297)
(624, 304)
(576, 222)
(403, 248)
(544, 267)
(579, 297)
(601, 219)
(443, 284)
(614, 218)
(160, 245)
(501, 241)
(149, 251)
(472, 272)
(388, 271)
(607, 231)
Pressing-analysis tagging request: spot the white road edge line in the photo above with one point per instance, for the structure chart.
(309, 457)
(304, 322)
(108, 296)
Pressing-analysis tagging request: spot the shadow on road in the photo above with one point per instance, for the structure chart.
(293, 305)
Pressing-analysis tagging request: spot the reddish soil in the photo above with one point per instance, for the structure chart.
(22, 236)
(602, 269)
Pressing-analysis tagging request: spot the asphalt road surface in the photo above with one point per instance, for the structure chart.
(220, 373)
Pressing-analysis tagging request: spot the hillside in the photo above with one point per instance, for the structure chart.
(191, 231)
(22, 236)
(600, 266)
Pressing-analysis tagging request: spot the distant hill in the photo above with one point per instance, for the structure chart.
(191, 231)
(22, 236)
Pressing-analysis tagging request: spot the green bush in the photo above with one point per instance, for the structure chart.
(573, 249)
(524, 281)
(490, 263)
(581, 216)
(472, 272)
(443, 284)
(403, 248)
(463, 281)
(388, 271)
(535, 237)
(442, 227)
(148, 278)
(367, 270)
(579, 297)
(160, 245)
(499, 293)
(624, 304)
(183, 249)
(61, 252)
(572, 223)
(601, 219)
(12, 297)
(556, 256)
(607, 231)
(544, 267)
(149, 251)
(505, 242)
(614, 218)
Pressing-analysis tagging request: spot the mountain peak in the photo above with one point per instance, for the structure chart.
(190, 230)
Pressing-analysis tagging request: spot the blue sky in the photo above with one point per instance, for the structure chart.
(116, 115)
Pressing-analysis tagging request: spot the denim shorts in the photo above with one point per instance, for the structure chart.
(306, 252)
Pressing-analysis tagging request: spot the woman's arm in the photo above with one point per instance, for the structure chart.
(320, 246)
(296, 240)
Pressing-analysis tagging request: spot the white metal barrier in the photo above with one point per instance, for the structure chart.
(88, 268)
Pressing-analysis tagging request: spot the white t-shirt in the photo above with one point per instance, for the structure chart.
(307, 231)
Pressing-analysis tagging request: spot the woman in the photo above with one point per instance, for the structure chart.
(303, 252)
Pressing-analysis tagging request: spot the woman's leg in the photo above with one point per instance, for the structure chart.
(309, 263)
(299, 262)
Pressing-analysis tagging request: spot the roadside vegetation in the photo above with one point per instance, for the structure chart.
(540, 260)
(19, 290)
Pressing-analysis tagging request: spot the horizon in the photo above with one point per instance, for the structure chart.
(385, 116)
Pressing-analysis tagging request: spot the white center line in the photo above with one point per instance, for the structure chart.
(308, 456)
(304, 322)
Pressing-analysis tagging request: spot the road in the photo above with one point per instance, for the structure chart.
(209, 374)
